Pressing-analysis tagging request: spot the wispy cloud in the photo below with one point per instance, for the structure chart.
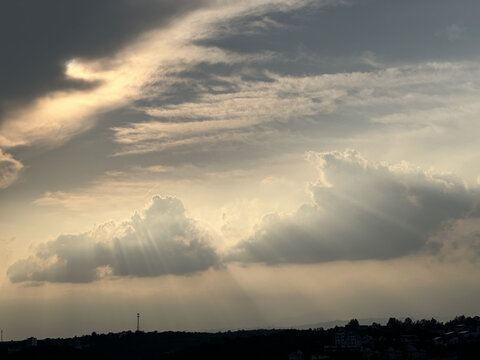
(122, 77)
(59, 115)
(9, 169)
(454, 32)
(404, 98)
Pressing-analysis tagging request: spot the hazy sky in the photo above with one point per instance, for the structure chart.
(237, 164)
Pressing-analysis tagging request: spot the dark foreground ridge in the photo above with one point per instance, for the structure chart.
(407, 339)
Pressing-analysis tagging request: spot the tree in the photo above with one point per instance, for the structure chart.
(393, 323)
(353, 324)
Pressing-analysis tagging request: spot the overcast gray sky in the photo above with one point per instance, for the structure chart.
(237, 164)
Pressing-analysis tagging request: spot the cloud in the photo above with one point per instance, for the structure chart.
(458, 241)
(408, 98)
(454, 32)
(9, 170)
(103, 72)
(98, 55)
(35, 54)
(161, 240)
(361, 210)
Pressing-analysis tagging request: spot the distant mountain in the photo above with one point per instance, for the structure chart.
(333, 323)
(325, 325)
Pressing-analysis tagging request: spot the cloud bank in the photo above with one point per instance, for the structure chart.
(361, 210)
(161, 240)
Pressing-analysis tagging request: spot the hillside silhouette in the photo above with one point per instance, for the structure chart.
(398, 339)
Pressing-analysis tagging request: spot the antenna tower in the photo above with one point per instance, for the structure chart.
(138, 321)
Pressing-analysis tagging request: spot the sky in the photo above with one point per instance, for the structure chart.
(220, 164)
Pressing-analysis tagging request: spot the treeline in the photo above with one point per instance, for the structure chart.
(425, 339)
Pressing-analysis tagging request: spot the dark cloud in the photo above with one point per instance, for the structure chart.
(38, 37)
(361, 210)
(160, 241)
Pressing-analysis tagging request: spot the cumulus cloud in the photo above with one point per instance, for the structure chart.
(159, 241)
(361, 210)
(9, 169)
